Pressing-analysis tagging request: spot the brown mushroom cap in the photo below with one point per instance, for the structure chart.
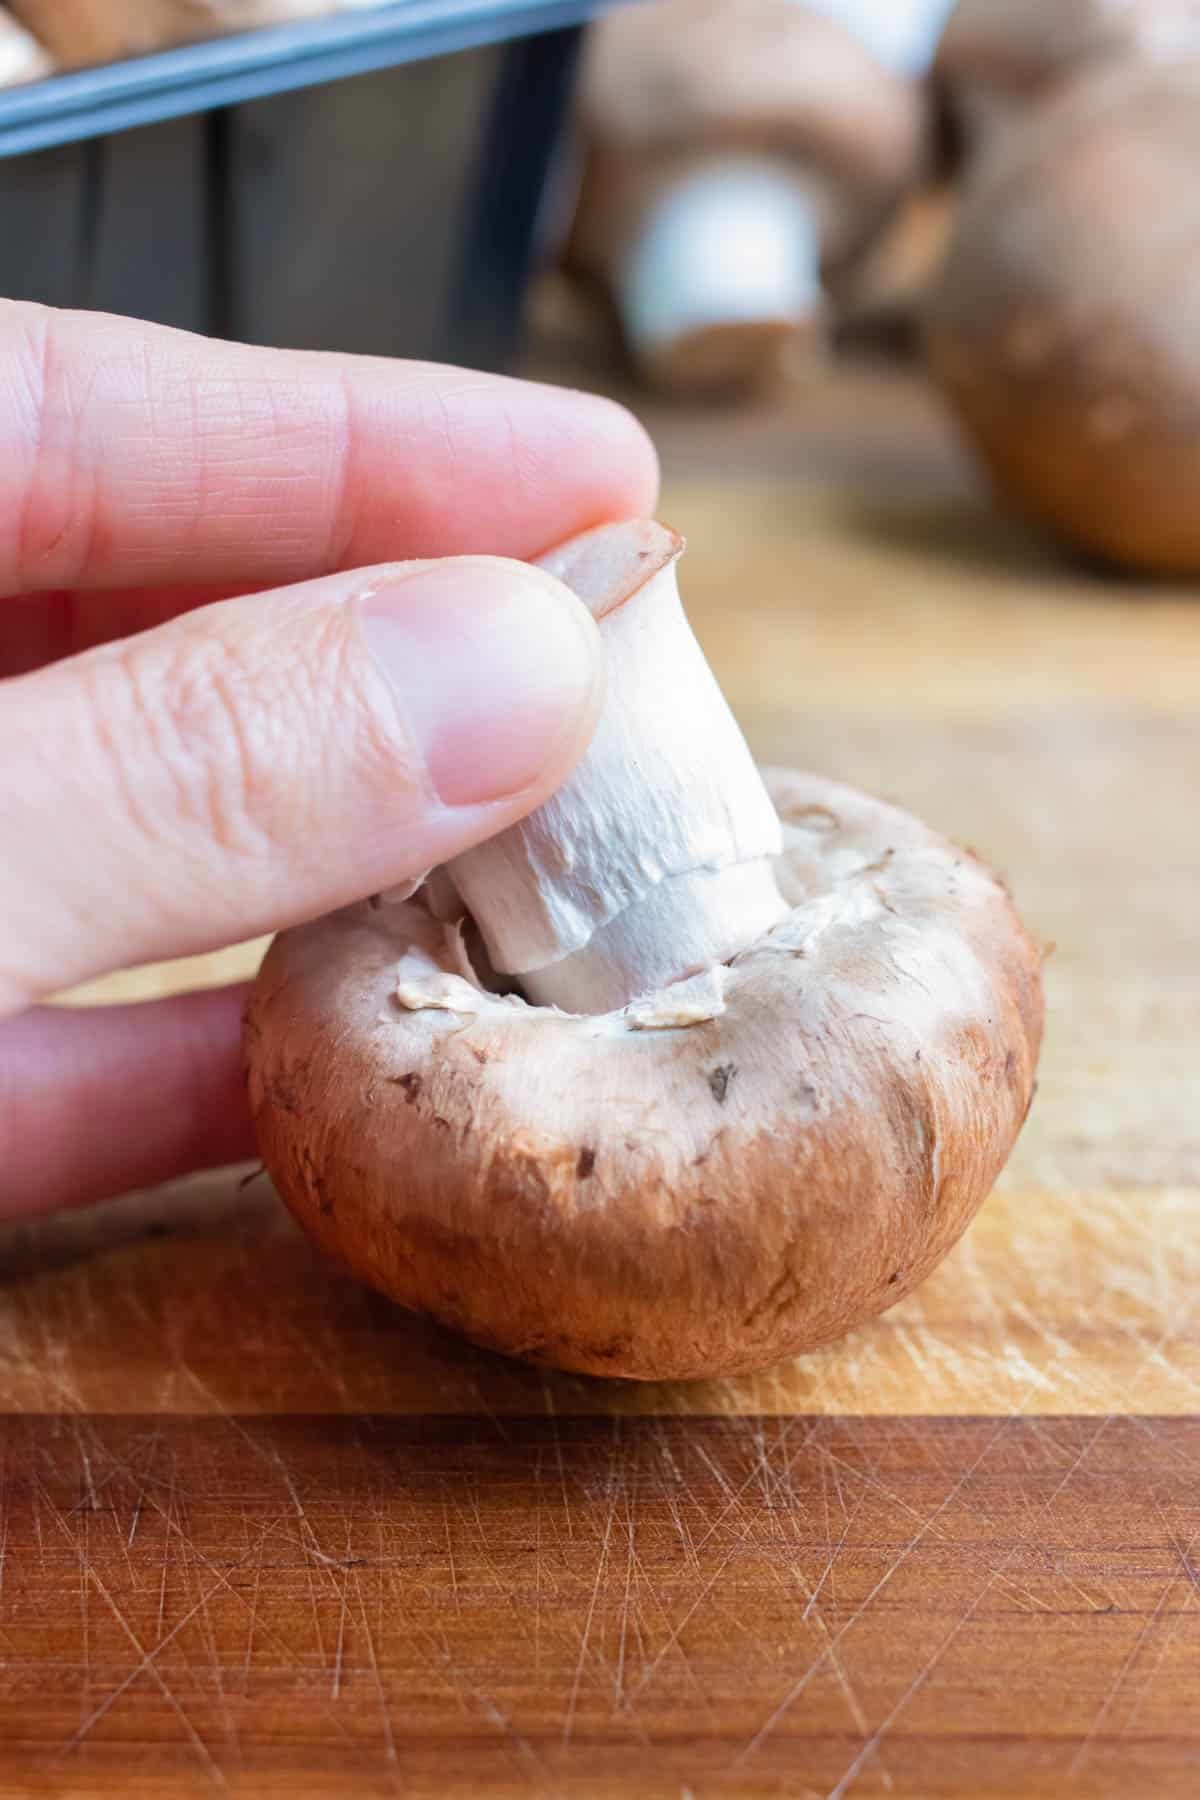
(752, 75)
(678, 1201)
(662, 82)
(1065, 325)
(1000, 56)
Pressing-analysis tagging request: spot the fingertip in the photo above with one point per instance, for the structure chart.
(633, 458)
(625, 456)
(582, 459)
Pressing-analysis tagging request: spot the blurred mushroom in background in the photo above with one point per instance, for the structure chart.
(22, 58)
(998, 58)
(740, 156)
(1064, 327)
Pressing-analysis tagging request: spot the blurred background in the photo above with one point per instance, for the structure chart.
(716, 208)
(908, 294)
(909, 297)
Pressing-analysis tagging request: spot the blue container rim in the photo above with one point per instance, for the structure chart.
(228, 71)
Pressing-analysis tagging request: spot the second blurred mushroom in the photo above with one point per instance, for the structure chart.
(999, 58)
(1064, 329)
(739, 153)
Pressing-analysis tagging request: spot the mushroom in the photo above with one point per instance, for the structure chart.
(737, 152)
(79, 32)
(1064, 328)
(903, 34)
(998, 57)
(22, 58)
(685, 1074)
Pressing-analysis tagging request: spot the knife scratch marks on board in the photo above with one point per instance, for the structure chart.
(558, 1454)
(147, 1658)
(733, 1496)
(1185, 1558)
(656, 1603)
(806, 1534)
(835, 1549)
(450, 1557)
(797, 1688)
(385, 1711)
(747, 1520)
(673, 1640)
(141, 1667)
(870, 1748)
(683, 1533)
(526, 1754)
(310, 1546)
(192, 1568)
(252, 1607)
(4, 1507)
(481, 1532)
(339, 1652)
(601, 1570)
(1166, 1637)
(1119, 1679)
(222, 1579)
(853, 1703)
(89, 1480)
(998, 1574)
(136, 1520)
(626, 1604)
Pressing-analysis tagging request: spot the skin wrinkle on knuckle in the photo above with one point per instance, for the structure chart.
(23, 334)
(189, 744)
(50, 761)
(55, 509)
(436, 426)
(343, 484)
(84, 400)
(273, 451)
(472, 427)
(477, 424)
(254, 747)
(532, 462)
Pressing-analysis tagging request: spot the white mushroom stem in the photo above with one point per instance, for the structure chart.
(730, 241)
(21, 56)
(655, 860)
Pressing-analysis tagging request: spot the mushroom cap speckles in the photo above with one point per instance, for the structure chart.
(699, 1199)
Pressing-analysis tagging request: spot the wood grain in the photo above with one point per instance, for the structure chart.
(262, 1534)
(649, 1606)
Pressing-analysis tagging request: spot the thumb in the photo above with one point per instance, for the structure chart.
(259, 761)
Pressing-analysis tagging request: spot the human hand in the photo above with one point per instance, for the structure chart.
(225, 705)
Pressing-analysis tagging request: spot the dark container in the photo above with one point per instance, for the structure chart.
(306, 185)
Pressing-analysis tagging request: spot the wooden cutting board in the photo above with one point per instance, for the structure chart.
(263, 1535)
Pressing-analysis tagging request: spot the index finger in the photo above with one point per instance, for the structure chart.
(133, 455)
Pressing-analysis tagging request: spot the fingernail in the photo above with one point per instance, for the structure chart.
(495, 668)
